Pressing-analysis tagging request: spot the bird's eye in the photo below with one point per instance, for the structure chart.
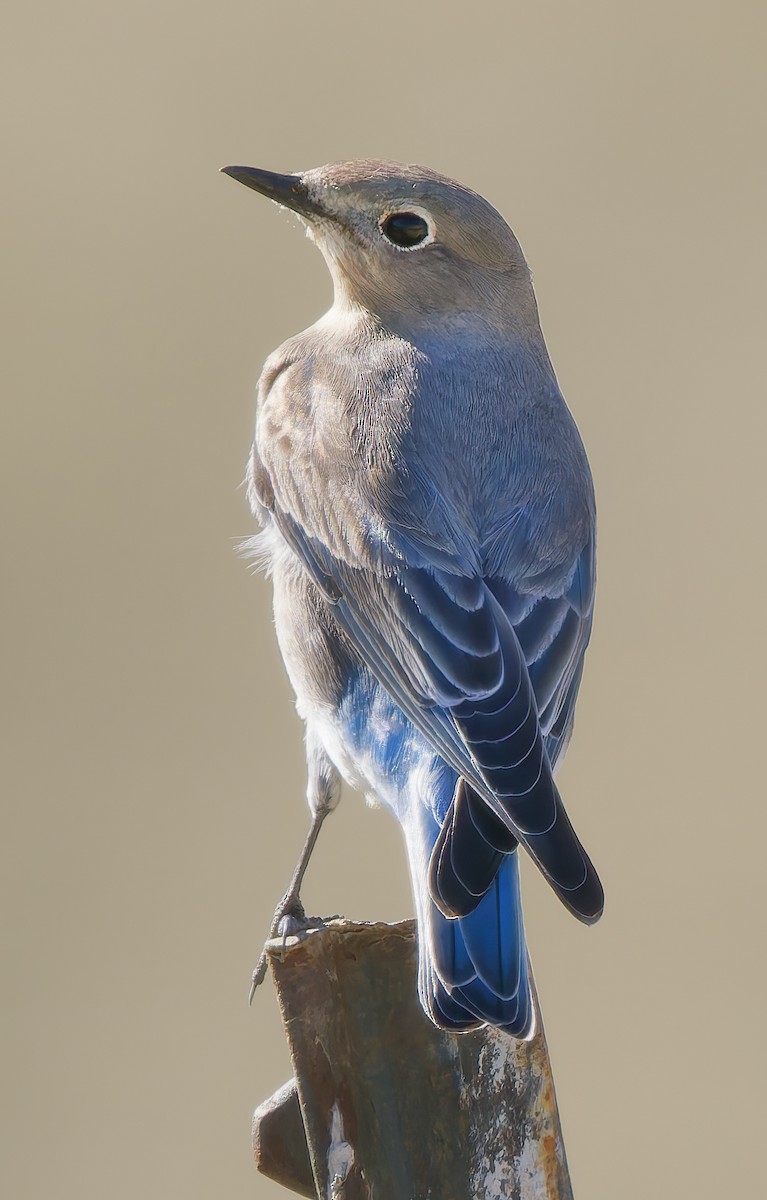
(405, 229)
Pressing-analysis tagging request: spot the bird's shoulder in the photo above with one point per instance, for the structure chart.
(457, 453)
(333, 405)
(343, 385)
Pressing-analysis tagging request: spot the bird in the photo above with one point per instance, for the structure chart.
(428, 520)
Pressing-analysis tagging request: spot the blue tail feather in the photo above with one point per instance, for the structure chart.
(446, 1012)
(490, 978)
(494, 935)
(473, 968)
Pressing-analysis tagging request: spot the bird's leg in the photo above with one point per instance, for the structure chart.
(289, 916)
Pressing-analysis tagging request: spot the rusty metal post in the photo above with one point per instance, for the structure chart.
(392, 1108)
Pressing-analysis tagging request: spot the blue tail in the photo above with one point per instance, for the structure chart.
(472, 969)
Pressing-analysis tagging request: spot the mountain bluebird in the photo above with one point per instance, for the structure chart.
(428, 518)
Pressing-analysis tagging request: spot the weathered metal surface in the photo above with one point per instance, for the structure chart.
(279, 1141)
(395, 1109)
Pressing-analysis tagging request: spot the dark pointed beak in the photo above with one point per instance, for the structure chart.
(287, 190)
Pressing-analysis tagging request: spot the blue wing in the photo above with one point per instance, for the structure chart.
(489, 677)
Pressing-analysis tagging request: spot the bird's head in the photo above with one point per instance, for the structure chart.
(407, 244)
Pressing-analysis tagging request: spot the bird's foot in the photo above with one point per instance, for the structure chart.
(289, 920)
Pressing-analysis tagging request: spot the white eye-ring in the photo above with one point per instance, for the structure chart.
(407, 228)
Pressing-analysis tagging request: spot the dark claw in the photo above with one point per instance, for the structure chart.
(259, 975)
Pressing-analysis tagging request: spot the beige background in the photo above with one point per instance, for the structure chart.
(153, 800)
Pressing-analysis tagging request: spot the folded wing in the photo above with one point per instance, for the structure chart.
(489, 678)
